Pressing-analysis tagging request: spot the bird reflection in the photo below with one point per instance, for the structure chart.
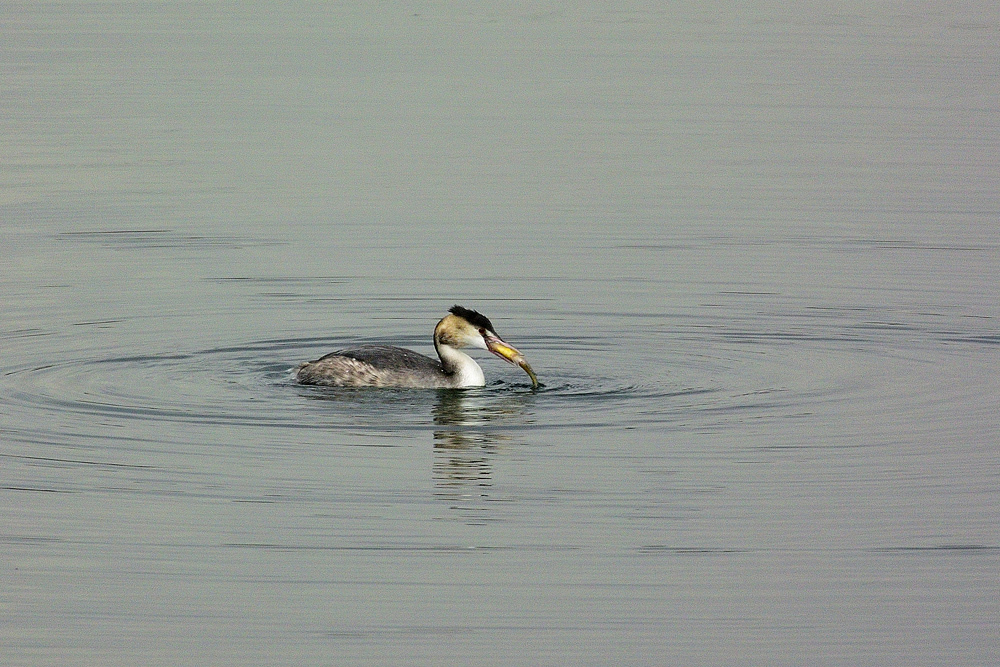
(469, 434)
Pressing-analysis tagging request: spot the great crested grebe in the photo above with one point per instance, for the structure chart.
(389, 366)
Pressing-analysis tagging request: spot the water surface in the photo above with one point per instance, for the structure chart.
(752, 257)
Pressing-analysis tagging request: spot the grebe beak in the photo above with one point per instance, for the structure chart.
(510, 354)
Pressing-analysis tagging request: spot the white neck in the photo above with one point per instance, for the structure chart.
(466, 371)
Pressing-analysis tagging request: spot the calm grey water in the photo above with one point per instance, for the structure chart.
(752, 255)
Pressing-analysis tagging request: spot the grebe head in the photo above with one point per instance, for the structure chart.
(467, 328)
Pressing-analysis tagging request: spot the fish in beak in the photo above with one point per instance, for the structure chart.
(510, 354)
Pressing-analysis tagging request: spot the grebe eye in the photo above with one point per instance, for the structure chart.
(482, 332)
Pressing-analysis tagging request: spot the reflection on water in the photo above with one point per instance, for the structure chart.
(469, 432)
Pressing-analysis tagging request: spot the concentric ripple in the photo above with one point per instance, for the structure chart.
(252, 385)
